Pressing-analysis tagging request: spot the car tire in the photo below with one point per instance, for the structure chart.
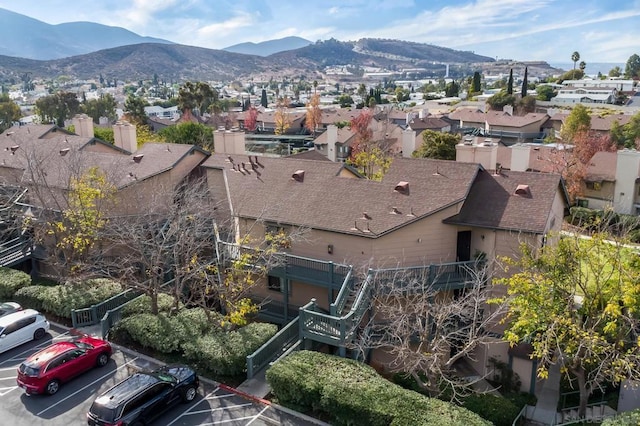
(52, 387)
(39, 334)
(189, 394)
(102, 359)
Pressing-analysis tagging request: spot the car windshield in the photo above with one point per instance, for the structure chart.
(83, 345)
(29, 370)
(166, 377)
(103, 413)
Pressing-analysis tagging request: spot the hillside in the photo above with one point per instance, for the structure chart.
(32, 39)
(173, 62)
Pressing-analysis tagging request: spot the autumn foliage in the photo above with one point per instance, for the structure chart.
(251, 119)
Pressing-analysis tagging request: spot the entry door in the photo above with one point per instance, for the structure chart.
(463, 251)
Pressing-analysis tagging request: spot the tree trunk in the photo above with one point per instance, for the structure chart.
(584, 393)
(154, 301)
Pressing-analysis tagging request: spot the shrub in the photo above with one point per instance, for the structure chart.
(142, 305)
(498, 410)
(630, 418)
(225, 352)
(167, 333)
(31, 296)
(11, 281)
(353, 393)
(60, 300)
(157, 332)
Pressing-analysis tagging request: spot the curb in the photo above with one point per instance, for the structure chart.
(244, 394)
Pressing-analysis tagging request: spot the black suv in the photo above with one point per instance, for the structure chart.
(141, 397)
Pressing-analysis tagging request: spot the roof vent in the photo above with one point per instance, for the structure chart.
(14, 148)
(366, 216)
(394, 210)
(402, 187)
(64, 151)
(298, 176)
(523, 191)
(138, 158)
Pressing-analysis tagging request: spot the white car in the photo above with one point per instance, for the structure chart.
(22, 327)
(7, 308)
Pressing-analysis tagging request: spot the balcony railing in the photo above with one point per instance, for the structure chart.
(439, 277)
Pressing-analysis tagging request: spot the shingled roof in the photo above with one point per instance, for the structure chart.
(515, 201)
(321, 199)
(602, 167)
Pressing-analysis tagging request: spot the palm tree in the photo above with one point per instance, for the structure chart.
(575, 57)
(582, 66)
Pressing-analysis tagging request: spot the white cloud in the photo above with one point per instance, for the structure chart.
(236, 23)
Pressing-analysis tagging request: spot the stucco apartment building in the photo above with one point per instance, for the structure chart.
(430, 215)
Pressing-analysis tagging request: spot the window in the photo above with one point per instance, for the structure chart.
(274, 283)
(583, 203)
(594, 186)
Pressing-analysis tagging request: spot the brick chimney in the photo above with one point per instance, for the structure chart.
(124, 135)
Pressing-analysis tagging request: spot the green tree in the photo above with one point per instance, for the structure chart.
(104, 106)
(582, 66)
(577, 121)
(545, 92)
(525, 82)
(134, 108)
(510, 83)
(57, 107)
(104, 133)
(437, 145)
(196, 97)
(575, 57)
(615, 72)
(452, 89)
(577, 303)
(500, 99)
(571, 75)
(632, 69)
(189, 133)
(627, 135)
(345, 100)
(9, 112)
(263, 98)
(526, 104)
(477, 82)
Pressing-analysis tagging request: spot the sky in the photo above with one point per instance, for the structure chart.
(548, 30)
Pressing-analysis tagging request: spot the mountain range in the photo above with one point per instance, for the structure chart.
(87, 50)
(29, 38)
(269, 47)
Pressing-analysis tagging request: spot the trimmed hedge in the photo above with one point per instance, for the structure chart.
(142, 305)
(225, 352)
(352, 393)
(198, 337)
(11, 281)
(62, 299)
(630, 418)
(498, 410)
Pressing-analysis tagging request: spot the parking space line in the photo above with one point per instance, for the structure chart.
(34, 348)
(219, 396)
(84, 387)
(8, 378)
(206, 398)
(226, 421)
(257, 415)
(4, 391)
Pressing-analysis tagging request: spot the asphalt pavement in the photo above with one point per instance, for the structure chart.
(215, 405)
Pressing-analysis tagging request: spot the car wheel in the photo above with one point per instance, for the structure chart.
(103, 359)
(189, 394)
(39, 334)
(52, 387)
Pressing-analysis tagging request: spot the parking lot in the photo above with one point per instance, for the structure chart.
(213, 406)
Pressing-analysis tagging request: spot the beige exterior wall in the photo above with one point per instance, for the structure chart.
(146, 196)
(602, 198)
(529, 128)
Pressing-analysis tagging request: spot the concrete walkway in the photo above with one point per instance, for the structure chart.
(545, 411)
(256, 386)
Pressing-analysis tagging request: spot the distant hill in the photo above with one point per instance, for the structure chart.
(174, 62)
(29, 38)
(269, 47)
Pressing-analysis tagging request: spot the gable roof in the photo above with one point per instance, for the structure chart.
(493, 203)
(323, 200)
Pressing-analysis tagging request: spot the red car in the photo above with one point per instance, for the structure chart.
(44, 371)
